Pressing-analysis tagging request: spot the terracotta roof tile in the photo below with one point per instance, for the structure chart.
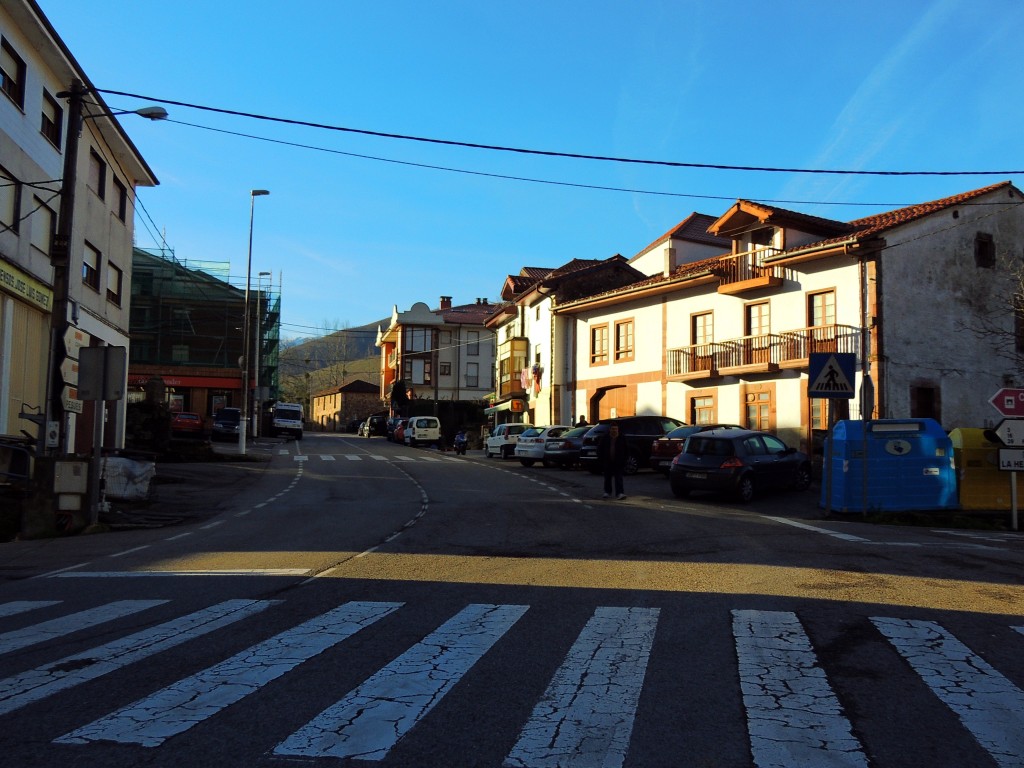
(694, 228)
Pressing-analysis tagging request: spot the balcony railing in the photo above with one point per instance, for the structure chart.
(801, 343)
(762, 353)
(747, 271)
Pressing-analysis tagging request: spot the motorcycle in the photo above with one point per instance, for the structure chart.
(460, 444)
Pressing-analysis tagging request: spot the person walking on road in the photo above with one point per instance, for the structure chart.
(612, 451)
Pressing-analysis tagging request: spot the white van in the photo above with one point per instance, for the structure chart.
(420, 430)
(287, 420)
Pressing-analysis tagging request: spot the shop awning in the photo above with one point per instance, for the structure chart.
(516, 405)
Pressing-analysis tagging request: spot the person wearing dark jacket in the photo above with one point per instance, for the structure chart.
(612, 451)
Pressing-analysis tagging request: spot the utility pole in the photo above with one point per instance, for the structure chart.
(60, 259)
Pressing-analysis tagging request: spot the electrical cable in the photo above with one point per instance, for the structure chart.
(551, 153)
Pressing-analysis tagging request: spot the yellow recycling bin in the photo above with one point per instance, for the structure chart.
(982, 485)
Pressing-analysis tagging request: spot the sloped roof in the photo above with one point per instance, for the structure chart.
(693, 228)
(467, 314)
(859, 229)
(747, 214)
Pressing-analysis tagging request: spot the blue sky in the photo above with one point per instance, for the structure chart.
(866, 85)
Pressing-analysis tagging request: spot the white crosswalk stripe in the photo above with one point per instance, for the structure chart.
(400, 458)
(23, 606)
(588, 709)
(177, 708)
(989, 705)
(585, 717)
(371, 719)
(36, 684)
(793, 717)
(47, 630)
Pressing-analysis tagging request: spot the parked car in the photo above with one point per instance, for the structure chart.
(361, 429)
(741, 462)
(376, 425)
(398, 435)
(529, 448)
(564, 450)
(664, 449)
(422, 430)
(225, 424)
(502, 441)
(639, 432)
(189, 425)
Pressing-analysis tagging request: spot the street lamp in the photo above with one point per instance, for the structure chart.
(243, 421)
(257, 336)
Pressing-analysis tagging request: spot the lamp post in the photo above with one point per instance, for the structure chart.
(257, 337)
(243, 420)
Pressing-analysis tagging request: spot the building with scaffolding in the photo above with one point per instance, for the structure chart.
(186, 333)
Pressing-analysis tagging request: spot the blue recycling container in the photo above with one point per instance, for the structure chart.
(888, 465)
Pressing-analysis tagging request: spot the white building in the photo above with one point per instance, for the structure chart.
(923, 296)
(440, 354)
(36, 69)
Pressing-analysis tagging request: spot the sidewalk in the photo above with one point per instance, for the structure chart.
(192, 491)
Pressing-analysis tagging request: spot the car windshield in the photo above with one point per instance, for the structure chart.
(577, 432)
(532, 432)
(289, 413)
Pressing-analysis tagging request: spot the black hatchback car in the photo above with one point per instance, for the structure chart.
(741, 462)
(640, 431)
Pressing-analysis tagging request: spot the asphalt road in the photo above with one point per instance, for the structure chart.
(354, 602)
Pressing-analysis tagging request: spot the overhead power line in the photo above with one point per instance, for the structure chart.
(550, 153)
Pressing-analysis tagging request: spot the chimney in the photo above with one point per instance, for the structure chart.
(446, 302)
(670, 258)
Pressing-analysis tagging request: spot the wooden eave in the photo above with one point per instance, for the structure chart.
(647, 291)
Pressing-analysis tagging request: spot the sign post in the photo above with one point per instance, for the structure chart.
(1010, 431)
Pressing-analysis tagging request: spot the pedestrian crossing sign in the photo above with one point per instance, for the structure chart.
(831, 375)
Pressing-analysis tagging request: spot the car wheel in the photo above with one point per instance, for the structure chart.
(802, 481)
(526, 462)
(506, 451)
(632, 465)
(745, 488)
(548, 464)
(412, 443)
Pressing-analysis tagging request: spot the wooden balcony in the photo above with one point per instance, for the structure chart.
(799, 344)
(744, 272)
(764, 353)
(698, 361)
(751, 354)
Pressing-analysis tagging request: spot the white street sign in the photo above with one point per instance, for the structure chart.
(69, 398)
(1011, 459)
(69, 371)
(1011, 432)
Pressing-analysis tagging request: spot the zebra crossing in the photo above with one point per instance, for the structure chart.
(585, 716)
(398, 458)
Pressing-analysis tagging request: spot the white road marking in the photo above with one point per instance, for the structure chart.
(38, 683)
(371, 719)
(226, 572)
(300, 458)
(989, 705)
(65, 625)
(816, 529)
(326, 457)
(21, 606)
(585, 717)
(354, 457)
(129, 551)
(152, 720)
(793, 718)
